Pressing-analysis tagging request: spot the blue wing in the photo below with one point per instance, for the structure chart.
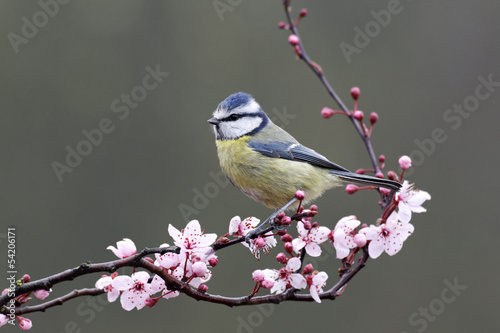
(294, 152)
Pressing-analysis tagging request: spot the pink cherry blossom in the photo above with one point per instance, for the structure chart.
(169, 260)
(410, 200)
(388, 237)
(258, 275)
(286, 277)
(24, 323)
(343, 235)
(318, 282)
(158, 284)
(240, 228)
(105, 283)
(3, 319)
(360, 240)
(135, 290)
(126, 248)
(192, 237)
(41, 293)
(310, 239)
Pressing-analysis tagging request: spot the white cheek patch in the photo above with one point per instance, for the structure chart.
(240, 127)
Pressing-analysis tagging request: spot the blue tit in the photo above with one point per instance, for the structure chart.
(268, 164)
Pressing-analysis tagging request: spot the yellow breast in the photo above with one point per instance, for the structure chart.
(270, 181)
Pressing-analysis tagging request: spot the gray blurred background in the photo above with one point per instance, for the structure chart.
(72, 72)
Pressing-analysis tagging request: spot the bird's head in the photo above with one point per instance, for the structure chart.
(238, 115)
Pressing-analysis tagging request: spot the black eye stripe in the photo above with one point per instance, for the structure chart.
(236, 116)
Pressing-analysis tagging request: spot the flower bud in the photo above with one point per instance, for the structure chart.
(293, 39)
(405, 162)
(24, 323)
(26, 278)
(307, 225)
(281, 257)
(267, 283)
(373, 118)
(358, 115)
(392, 175)
(351, 188)
(381, 158)
(289, 247)
(314, 225)
(300, 195)
(308, 269)
(150, 260)
(379, 175)
(199, 269)
(313, 208)
(303, 12)
(355, 93)
(213, 261)
(360, 240)
(202, 288)
(287, 220)
(258, 275)
(327, 113)
(286, 238)
(281, 232)
(282, 25)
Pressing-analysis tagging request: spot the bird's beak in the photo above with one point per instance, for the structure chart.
(213, 121)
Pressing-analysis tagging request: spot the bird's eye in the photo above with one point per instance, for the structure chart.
(234, 117)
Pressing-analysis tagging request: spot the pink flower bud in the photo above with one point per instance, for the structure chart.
(314, 225)
(199, 269)
(26, 278)
(355, 93)
(358, 114)
(351, 188)
(287, 220)
(360, 240)
(267, 283)
(373, 118)
(289, 247)
(364, 225)
(281, 232)
(405, 162)
(286, 238)
(309, 280)
(307, 225)
(258, 275)
(150, 260)
(392, 175)
(384, 190)
(294, 40)
(41, 293)
(300, 195)
(24, 323)
(313, 208)
(379, 175)
(303, 12)
(327, 113)
(282, 25)
(202, 288)
(150, 302)
(281, 257)
(213, 262)
(308, 269)
(279, 217)
(260, 242)
(381, 158)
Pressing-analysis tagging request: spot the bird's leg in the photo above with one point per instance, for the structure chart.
(269, 222)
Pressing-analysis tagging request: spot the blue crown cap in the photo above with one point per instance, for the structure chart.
(235, 100)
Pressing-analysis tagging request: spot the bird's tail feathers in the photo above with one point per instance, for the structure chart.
(367, 180)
